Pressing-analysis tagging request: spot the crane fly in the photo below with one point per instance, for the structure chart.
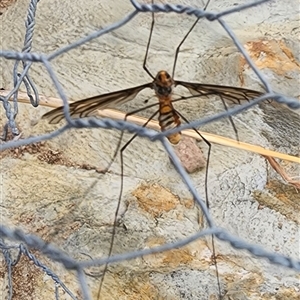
(163, 85)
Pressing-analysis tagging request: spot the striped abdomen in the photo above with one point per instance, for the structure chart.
(168, 118)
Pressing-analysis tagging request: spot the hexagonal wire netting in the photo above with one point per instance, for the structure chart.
(24, 243)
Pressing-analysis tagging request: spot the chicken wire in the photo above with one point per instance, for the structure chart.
(27, 242)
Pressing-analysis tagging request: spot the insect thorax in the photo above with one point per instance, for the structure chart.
(163, 84)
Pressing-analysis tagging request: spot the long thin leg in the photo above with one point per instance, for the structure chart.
(148, 46)
(121, 192)
(122, 133)
(206, 197)
(183, 40)
(211, 94)
(230, 119)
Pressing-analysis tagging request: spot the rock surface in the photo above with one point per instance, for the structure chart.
(50, 190)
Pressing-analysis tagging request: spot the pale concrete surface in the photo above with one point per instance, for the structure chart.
(74, 208)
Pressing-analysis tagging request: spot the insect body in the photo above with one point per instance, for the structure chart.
(163, 85)
(168, 118)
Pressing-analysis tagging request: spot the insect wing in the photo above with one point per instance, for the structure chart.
(85, 108)
(234, 95)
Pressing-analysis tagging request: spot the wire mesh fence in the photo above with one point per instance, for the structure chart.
(15, 244)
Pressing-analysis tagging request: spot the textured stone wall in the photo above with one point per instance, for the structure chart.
(49, 190)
